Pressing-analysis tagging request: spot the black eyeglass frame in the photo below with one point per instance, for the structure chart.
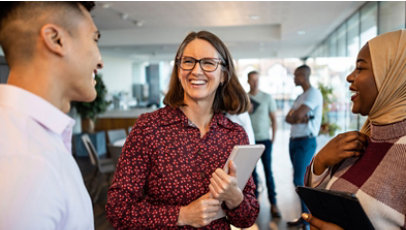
(218, 61)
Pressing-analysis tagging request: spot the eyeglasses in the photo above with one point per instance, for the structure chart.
(206, 64)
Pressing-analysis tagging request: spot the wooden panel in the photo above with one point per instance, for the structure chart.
(103, 124)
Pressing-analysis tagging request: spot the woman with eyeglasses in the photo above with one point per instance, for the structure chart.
(170, 175)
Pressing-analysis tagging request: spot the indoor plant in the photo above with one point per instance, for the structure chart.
(326, 126)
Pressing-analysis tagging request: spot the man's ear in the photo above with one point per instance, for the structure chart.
(54, 38)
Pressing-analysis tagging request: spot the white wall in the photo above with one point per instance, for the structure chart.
(117, 74)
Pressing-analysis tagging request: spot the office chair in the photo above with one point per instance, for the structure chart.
(104, 167)
(115, 152)
(116, 134)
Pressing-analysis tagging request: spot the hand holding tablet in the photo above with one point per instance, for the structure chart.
(245, 158)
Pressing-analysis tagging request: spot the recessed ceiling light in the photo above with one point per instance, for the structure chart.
(138, 23)
(254, 17)
(124, 16)
(106, 5)
(301, 32)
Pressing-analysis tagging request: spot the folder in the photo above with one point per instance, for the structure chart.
(340, 208)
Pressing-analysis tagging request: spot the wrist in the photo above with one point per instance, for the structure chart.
(236, 201)
(181, 221)
(318, 166)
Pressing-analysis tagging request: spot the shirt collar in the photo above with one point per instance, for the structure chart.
(389, 131)
(36, 107)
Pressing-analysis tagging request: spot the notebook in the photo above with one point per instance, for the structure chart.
(337, 207)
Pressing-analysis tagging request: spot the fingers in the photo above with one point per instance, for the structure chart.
(352, 141)
(214, 191)
(222, 183)
(355, 145)
(352, 136)
(315, 222)
(319, 224)
(233, 169)
(206, 196)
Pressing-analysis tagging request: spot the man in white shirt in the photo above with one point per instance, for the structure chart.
(305, 119)
(52, 52)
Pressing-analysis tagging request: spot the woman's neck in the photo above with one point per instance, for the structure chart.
(200, 113)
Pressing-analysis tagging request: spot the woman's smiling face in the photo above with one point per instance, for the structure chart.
(197, 84)
(363, 83)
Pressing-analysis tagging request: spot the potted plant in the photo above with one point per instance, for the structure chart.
(88, 111)
(326, 126)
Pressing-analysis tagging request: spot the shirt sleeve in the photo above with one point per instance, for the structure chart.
(313, 99)
(127, 204)
(313, 180)
(246, 213)
(272, 104)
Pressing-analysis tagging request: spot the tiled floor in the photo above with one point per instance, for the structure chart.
(288, 202)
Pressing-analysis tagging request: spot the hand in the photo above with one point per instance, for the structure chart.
(304, 119)
(342, 146)
(224, 187)
(317, 224)
(200, 212)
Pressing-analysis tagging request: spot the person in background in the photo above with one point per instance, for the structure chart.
(244, 120)
(262, 114)
(371, 163)
(305, 119)
(170, 172)
(52, 52)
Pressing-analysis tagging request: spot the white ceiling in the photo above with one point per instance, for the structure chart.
(154, 30)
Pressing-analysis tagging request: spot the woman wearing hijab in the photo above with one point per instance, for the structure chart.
(372, 163)
(170, 175)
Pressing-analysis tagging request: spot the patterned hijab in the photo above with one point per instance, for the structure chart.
(388, 55)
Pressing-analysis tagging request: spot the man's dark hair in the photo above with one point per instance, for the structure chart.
(7, 8)
(306, 70)
(20, 22)
(252, 72)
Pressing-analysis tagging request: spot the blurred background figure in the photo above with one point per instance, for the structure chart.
(262, 114)
(305, 120)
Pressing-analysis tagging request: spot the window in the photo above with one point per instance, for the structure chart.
(391, 16)
(369, 15)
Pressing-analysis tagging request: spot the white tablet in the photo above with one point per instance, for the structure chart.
(245, 158)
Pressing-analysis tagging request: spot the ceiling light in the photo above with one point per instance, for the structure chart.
(254, 17)
(124, 16)
(106, 5)
(138, 23)
(301, 32)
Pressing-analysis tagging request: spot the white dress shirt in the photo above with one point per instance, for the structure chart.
(41, 184)
(244, 120)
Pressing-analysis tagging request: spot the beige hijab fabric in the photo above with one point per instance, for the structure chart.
(388, 55)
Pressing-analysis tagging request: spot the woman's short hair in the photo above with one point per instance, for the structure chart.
(230, 96)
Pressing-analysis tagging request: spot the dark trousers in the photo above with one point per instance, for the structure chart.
(301, 151)
(266, 159)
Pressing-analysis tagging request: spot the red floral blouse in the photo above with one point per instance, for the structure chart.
(165, 164)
